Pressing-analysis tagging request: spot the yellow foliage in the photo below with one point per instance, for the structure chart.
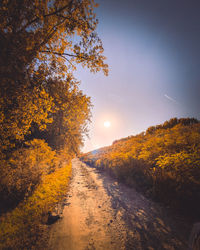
(164, 160)
(39, 98)
(24, 169)
(21, 227)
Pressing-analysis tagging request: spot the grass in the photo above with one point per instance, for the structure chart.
(22, 227)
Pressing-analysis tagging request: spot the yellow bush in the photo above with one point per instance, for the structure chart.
(21, 227)
(164, 161)
(23, 170)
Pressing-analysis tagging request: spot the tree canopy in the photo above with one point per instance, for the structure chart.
(41, 105)
(42, 42)
(37, 32)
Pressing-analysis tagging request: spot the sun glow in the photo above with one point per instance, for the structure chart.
(107, 124)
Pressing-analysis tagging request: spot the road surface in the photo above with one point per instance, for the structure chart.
(100, 213)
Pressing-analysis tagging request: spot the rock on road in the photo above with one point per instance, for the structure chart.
(100, 213)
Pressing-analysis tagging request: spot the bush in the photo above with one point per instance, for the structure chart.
(20, 228)
(163, 162)
(22, 172)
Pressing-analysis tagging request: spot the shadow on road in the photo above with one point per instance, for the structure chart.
(148, 225)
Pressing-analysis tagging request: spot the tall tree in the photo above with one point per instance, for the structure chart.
(49, 31)
(41, 40)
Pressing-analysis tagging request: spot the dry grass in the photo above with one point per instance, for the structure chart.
(21, 228)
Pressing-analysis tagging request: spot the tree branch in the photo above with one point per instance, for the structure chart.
(47, 15)
(50, 34)
(63, 54)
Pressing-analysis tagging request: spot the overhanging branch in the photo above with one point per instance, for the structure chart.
(64, 54)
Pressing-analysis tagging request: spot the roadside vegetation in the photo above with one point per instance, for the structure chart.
(23, 226)
(43, 112)
(163, 162)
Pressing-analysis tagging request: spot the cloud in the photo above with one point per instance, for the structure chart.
(170, 98)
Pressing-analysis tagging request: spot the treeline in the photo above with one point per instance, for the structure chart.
(43, 113)
(163, 162)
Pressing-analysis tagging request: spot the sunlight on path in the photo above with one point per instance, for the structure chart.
(99, 213)
(88, 221)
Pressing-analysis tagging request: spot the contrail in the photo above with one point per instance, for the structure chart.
(170, 98)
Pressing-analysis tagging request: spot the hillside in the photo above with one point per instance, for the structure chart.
(163, 162)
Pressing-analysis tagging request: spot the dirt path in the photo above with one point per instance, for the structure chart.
(99, 213)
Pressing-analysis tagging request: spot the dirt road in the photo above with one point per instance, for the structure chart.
(100, 213)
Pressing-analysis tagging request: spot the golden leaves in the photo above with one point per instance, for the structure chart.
(25, 220)
(165, 159)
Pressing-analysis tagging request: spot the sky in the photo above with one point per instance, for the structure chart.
(153, 51)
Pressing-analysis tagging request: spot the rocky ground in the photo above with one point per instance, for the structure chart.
(100, 213)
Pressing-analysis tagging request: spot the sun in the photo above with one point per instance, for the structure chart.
(107, 124)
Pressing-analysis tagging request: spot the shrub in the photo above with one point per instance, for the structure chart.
(22, 172)
(164, 162)
(21, 228)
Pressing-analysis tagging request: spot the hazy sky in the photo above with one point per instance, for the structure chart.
(153, 52)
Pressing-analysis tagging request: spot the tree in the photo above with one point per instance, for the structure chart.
(35, 32)
(42, 41)
(41, 106)
(70, 114)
